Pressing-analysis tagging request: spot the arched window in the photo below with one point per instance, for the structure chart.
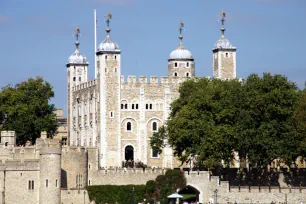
(187, 64)
(226, 54)
(154, 126)
(136, 106)
(187, 74)
(175, 64)
(73, 78)
(147, 106)
(122, 106)
(133, 106)
(115, 57)
(128, 126)
(106, 57)
(175, 74)
(126, 106)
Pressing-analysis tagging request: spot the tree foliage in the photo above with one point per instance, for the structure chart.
(25, 109)
(212, 118)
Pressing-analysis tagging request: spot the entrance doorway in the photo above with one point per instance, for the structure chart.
(129, 153)
(190, 194)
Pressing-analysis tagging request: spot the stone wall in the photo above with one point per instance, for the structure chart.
(74, 197)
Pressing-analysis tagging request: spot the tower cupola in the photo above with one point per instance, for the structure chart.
(77, 57)
(180, 53)
(108, 45)
(224, 55)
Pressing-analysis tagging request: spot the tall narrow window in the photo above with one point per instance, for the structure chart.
(125, 106)
(133, 106)
(175, 64)
(154, 153)
(187, 74)
(122, 106)
(46, 182)
(226, 54)
(56, 183)
(106, 57)
(29, 185)
(80, 79)
(128, 126)
(137, 106)
(115, 57)
(151, 106)
(115, 69)
(154, 126)
(32, 185)
(105, 70)
(187, 64)
(175, 74)
(73, 78)
(147, 106)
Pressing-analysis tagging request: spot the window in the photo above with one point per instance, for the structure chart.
(105, 70)
(151, 106)
(187, 74)
(226, 54)
(89, 182)
(126, 106)
(88, 166)
(32, 185)
(175, 74)
(128, 126)
(115, 57)
(46, 182)
(147, 106)
(137, 106)
(106, 57)
(115, 69)
(187, 64)
(122, 106)
(111, 114)
(80, 79)
(133, 106)
(73, 78)
(155, 153)
(154, 126)
(56, 183)
(175, 64)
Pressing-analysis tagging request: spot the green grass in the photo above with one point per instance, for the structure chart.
(189, 196)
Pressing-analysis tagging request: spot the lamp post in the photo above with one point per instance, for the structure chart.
(84, 196)
(133, 196)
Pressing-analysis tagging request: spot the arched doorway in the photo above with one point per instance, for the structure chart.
(190, 194)
(129, 153)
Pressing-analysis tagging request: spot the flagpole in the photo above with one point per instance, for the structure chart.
(95, 16)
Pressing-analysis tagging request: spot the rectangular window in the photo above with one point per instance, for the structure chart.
(56, 183)
(29, 185)
(147, 106)
(155, 154)
(133, 106)
(32, 185)
(47, 183)
(137, 106)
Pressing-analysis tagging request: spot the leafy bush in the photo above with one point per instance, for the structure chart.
(112, 193)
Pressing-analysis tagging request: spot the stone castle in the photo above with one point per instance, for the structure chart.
(111, 120)
(119, 116)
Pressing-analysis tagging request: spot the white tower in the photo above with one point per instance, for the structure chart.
(180, 61)
(108, 62)
(77, 67)
(224, 56)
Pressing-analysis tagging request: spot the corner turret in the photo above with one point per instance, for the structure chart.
(224, 56)
(180, 61)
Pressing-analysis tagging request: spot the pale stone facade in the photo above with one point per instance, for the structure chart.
(118, 114)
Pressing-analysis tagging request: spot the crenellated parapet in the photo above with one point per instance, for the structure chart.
(152, 80)
(84, 85)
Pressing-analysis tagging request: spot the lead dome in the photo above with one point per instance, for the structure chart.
(180, 52)
(77, 57)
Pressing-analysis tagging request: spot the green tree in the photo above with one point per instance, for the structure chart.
(212, 118)
(202, 121)
(25, 109)
(265, 129)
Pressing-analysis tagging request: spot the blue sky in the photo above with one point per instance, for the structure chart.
(36, 36)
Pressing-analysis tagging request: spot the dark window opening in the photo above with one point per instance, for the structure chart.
(147, 106)
(106, 57)
(175, 74)
(133, 106)
(122, 106)
(29, 185)
(226, 54)
(73, 78)
(151, 106)
(32, 185)
(175, 64)
(129, 153)
(56, 183)
(105, 70)
(187, 74)
(128, 126)
(154, 153)
(115, 69)
(80, 79)
(154, 126)
(125, 106)
(137, 106)
(46, 182)
(115, 57)
(187, 64)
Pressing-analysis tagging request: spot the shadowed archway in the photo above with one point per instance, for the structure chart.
(129, 153)
(190, 194)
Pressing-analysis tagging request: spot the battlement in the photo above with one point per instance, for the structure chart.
(19, 165)
(197, 174)
(132, 80)
(266, 189)
(48, 146)
(73, 149)
(84, 85)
